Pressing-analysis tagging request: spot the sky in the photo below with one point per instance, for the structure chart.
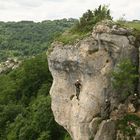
(39, 10)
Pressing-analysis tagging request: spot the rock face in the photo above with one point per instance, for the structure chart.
(106, 131)
(90, 60)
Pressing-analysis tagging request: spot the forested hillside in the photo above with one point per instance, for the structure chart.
(27, 38)
(25, 104)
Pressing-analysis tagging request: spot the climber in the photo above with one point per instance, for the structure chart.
(105, 110)
(78, 87)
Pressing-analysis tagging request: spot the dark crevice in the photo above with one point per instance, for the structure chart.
(71, 97)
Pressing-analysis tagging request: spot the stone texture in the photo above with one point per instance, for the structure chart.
(106, 131)
(119, 112)
(90, 60)
(94, 127)
(131, 108)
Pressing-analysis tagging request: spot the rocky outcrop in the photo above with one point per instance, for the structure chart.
(106, 131)
(9, 65)
(90, 60)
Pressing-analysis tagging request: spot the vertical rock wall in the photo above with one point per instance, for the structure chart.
(90, 60)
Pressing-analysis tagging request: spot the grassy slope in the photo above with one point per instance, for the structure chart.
(135, 25)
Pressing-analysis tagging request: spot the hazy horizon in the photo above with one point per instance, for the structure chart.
(40, 10)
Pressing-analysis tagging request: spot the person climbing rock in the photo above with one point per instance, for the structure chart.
(105, 110)
(78, 87)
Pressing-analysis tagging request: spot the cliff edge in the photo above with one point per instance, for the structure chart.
(91, 61)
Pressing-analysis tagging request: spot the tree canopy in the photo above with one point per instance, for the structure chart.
(28, 38)
(90, 18)
(25, 103)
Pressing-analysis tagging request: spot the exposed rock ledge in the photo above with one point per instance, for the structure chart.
(9, 65)
(91, 60)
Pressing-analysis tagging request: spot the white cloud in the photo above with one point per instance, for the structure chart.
(38, 10)
(128, 7)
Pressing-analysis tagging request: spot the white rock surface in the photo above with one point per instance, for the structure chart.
(90, 60)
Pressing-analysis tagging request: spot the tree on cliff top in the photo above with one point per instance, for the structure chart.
(84, 25)
(101, 13)
(90, 18)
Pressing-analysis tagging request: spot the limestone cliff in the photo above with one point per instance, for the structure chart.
(90, 60)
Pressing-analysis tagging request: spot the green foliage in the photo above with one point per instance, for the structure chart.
(128, 124)
(7, 115)
(67, 137)
(45, 136)
(135, 25)
(90, 18)
(27, 38)
(86, 21)
(25, 103)
(124, 77)
(70, 37)
(101, 13)
(85, 24)
(7, 89)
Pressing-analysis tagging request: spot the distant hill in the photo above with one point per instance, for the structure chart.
(27, 38)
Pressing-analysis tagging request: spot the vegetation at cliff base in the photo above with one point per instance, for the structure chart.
(128, 124)
(25, 103)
